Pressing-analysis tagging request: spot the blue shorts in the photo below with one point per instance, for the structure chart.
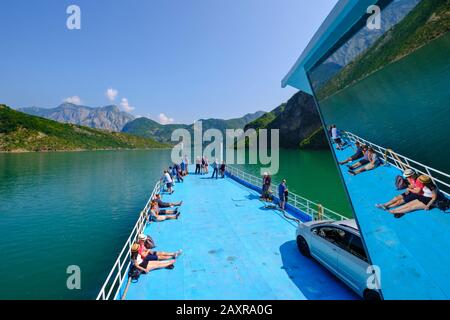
(282, 197)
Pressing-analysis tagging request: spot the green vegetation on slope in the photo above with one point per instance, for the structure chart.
(151, 129)
(23, 132)
(429, 20)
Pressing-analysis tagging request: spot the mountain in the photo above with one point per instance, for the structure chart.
(148, 128)
(22, 132)
(298, 121)
(427, 21)
(109, 118)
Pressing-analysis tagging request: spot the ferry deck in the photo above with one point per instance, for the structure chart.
(413, 251)
(233, 248)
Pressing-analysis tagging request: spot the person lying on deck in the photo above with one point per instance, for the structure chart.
(358, 154)
(157, 216)
(374, 162)
(425, 201)
(162, 204)
(148, 265)
(414, 188)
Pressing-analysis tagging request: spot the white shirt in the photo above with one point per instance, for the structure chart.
(334, 133)
(427, 192)
(167, 178)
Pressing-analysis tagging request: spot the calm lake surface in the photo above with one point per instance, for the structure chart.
(62, 209)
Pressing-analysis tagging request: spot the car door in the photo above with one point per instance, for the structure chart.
(325, 246)
(353, 263)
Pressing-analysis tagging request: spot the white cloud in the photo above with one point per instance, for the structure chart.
(75, 100)
(126, 105)
(163, 119)
(111, 94)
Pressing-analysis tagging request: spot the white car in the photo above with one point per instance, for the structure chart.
(337, 245)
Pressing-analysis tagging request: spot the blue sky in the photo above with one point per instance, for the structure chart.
(187, 59)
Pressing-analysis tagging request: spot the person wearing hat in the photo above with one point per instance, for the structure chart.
(414, 188)
(424, 201)
(147, 265)
(150, 255)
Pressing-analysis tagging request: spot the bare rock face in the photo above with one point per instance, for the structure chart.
(108, 118)
(299, 120)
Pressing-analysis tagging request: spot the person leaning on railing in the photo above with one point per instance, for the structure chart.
(222, 169)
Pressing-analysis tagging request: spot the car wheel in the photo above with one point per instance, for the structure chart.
(371, 295)
(303, 246)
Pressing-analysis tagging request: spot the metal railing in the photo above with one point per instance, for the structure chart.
(116, 277)
(441, 179)
(312, 209)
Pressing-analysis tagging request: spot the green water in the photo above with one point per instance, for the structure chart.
(405, 106)
(313, 175)
(61, 209)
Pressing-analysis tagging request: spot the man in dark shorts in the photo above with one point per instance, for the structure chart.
(358, 154)
(163, 205)
(364, 161)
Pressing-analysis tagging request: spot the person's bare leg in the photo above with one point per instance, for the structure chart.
(154, 265)
(409, 207)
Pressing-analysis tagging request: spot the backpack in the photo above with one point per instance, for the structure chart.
(401, 183)
(134, 274)
(442, 202)
(149, 243)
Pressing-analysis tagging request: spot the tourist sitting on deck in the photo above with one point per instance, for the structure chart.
(414, 188)
(223, 168)
(215, 166)
(162, 204)
(147, 265)
(267, 181)
(358, 154)
(361, 162)
(168, 180)
(282, 192)
(147, 253)
(425, 201)
(157, 215)
(198, 165)
(374, 162)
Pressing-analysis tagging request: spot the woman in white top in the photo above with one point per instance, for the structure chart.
(425, 201)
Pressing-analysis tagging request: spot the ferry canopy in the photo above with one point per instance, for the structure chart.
(342, 18)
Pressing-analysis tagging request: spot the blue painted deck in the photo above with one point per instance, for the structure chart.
(234, 248)
(413, 252)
